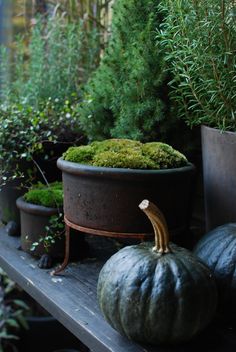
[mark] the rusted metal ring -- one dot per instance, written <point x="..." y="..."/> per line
<point x="91" y="231"/>
<point x="70" y="225"/>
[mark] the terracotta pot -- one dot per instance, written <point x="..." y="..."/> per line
<point x="219" y="174"/>
<point x="34" y="219"/>
<point x="107" y="199"/>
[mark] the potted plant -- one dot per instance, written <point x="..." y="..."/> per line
<point x="30" y="148"/>
<point x="42" y="225"/>
<point x="104" y="181"/>
<point x="38" y="115"/>
<point x="200" y="39"/>
<point x="18" y="139"/>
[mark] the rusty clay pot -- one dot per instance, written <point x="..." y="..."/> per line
<point x="34" y="219"/>
<point x="219" y="175"/>
<point x="107" y="199"/>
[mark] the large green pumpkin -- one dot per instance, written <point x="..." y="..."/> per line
<point x="160" y="294"/>
<point x="217" y="249"/>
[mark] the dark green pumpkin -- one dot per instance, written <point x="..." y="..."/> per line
<point x="156" y="295"/>
<point x="217" y="250"/>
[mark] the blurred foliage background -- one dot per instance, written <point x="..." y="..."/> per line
<point x="96" y="13"/>
<point x="33" y="30"/>
<point x="50" y="50"/>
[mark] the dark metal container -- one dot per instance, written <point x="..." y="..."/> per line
<point x="107" y="199"/>
<point x="219" y="174"/>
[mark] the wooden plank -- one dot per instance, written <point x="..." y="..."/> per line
<point x="71" y="298"/>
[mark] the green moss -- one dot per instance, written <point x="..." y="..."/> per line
<point x="53" y="185"/>
<point x="87" y="154"/>
<point x="51" y="196"/>
<point x="115" y="145"/>
<point x="125" y="153"/>
<point x="84" y="155"/>
<point x="131" y="159"/>
<point x="163" y="155"/>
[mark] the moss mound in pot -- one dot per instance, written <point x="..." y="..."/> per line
<point x="104" y="181"/>
<point x="41" y="222"/>
<point x="45" y="195"/>
<point x="125" y="153"/>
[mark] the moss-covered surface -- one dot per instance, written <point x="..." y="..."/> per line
<point x="48" y="196"/>
<point x="125" y="153"/>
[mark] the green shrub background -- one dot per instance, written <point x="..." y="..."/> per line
<point x="127" y="97"/>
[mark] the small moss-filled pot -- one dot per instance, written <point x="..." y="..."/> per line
<point x="217" y="249"/>
<point x="41" y="227"/>
<point x="103" y="183"/>
<point x="157" y="295"/>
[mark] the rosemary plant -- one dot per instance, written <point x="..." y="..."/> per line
<point x="200" y="37"/>
<point x="59" y="57"/>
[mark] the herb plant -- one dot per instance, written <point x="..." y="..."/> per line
<point x="59" y="57"/>
<point x="200" y="37"/>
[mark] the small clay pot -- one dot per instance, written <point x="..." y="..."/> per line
<point x="34" y="219"/>
<point x="9" y="214"/>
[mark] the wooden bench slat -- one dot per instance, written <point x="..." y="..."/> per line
<point x="71" y="298"/>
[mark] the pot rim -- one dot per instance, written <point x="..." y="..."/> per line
<point x="218" y="130"/>
<point x="35" y="209"/>
<point x="77" y="168"/>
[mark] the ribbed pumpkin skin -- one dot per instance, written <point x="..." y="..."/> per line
<point x="154" y="298"/>
<point x="217" y="250"/>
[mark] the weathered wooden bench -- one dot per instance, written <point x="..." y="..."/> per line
<point x="71" y="299"/>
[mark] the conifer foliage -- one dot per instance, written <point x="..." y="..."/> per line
<point x="127" y="95"/>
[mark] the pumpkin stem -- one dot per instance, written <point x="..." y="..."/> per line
<point x="159" y="225"/>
